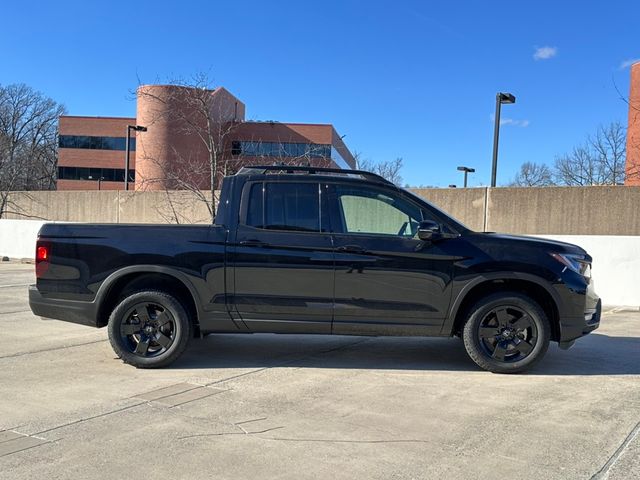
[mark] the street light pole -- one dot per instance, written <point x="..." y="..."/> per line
<point x="466" y="171"/>
<point x="500" y="99"/>
<point x="137" y="128"/>
<point x="126" y="156"/>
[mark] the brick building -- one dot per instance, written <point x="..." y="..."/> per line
<point x="92" y="149"/>
<point x="633" y="130"/>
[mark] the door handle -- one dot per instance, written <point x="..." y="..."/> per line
<point x="253" y="243"/>
<point x="351" y="249"/>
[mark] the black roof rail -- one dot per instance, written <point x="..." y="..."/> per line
<point x="262" y="169"/>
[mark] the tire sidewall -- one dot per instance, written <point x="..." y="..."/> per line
<point x="480" y="310"/>
<point x="166" y="301"/>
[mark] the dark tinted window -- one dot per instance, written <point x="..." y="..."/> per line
<point x="280" y="149"/>
<point x="285" y="206"/>
<point x="255" y="212"/>
<point x="95" y="143"/>
<point x="95" y="174"/>
<point x="83" y="173"/>
<point x="109" y="174"/>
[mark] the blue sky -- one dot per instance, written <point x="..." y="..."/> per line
<point x="400" y="79"/>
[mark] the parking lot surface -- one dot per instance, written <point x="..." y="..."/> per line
<point x="268" y="406"/>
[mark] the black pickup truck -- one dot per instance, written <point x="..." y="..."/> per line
<point x="323" y="251"/>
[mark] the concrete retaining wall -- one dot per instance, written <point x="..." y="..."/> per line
<point x="601" y="210"/>
<point x="605" y="210"/>
<point x="616" y="266"/>
<point x="598" y="210"/>
<point x="112" y="206"/>
<point x="18" y="238"/>
<point x="465" y="204"/>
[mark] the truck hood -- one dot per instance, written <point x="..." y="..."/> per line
<point x="555" y="245"/>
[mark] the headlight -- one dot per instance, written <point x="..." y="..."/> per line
<point x="576" y="263"/>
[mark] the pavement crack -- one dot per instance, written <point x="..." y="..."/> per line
<point x="53" y="349"/>
<point x="331" y="440"/>
<point x="141" y="396"/>
<point x="249" y="421"/>
<point x="233" y="377"/>
<point x="86" y="419"/>
<point x="303" y="440"/>
<point x="221" y="434"/>
<point x="118" y="410"/>
<point x="603" y="473"/>
<point x="26" y="448"/>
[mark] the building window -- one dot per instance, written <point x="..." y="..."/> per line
<point x="339" y="159"/>
<point x="95" y="143"/>
<point x="94" y="174"/>
<point x="280" y="149"/>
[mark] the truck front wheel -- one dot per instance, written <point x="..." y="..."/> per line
<point x="506" y="333"/>
<point x="149" y="329"/>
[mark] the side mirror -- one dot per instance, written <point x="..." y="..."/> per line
<point x="429" y="230"/>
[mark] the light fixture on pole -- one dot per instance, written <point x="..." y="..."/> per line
<point x="500" y="99"/>
<point x="137" y="128"/>
<point x="466" y="171"/>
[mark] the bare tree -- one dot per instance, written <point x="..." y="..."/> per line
<point x="609" y="144"/>
<point x="389" y="169"/>
<point x="202" y="119"/>
<point x="599" y="161"/>
<point x="28" y="143"/>
<point x="210" y="125"/>
<point x="533" y="174"/>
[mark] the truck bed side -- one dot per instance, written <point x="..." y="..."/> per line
<point x="88" y="266"/>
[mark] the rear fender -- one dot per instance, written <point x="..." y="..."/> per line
<point x="112" y="279"/>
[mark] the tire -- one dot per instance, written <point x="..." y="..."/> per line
<point x="149" y="329"/>
<point x="506" y="332"/>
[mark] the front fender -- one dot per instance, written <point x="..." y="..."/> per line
<point x="458" y="298"/>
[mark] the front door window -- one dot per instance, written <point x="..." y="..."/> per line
<point x="371" y="212"/>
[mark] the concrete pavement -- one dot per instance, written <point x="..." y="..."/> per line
<point x="310" y="406"/>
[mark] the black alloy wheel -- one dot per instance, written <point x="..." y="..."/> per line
<point x="149" y="329"/>
<point x="506" y="332"/>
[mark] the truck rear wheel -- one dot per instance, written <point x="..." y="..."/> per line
<point x="506" y="333"/>
<point x="149" y="329"/>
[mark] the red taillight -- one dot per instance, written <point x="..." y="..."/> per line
<point x="42" y="253"/>
<point x="43" y="257"/>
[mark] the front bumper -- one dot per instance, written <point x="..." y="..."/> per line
<point x="84" y="313"/>
<point x="572" y="328"/>
<point x="581" y="308"/>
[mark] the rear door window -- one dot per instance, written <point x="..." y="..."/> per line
<point x="285" y="206"/>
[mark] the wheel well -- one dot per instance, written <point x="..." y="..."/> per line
<point x="530" y="289"/>
<point x="135" y="282"/>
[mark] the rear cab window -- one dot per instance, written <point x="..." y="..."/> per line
<point x="286" y="206"/>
